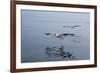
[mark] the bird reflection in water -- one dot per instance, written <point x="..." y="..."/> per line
<point x="59" y="52"/>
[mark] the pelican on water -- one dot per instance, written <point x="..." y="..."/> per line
<point x="61" y="36"/>
<point x="72" y="27"/>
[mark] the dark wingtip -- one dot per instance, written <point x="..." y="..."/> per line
<point x="47" y="33"/>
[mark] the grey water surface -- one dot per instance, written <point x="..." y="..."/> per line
<point x="38" y="46"/>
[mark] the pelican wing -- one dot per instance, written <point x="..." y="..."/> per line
<point x="66" y="34"/>
<point x="76" y="26"/>
<point x="47" y="33"/>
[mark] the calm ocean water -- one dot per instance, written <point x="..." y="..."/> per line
<point x="36" y="46"/>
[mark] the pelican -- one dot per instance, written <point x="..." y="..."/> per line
<point x="72" y="26"/>
<point x="61" y="36"/>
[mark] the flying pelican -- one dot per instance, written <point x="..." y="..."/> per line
<point x="72" y="26"/>
<point x="61" y="36"/>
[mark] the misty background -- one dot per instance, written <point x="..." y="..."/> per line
<point x="34" y="25"/>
